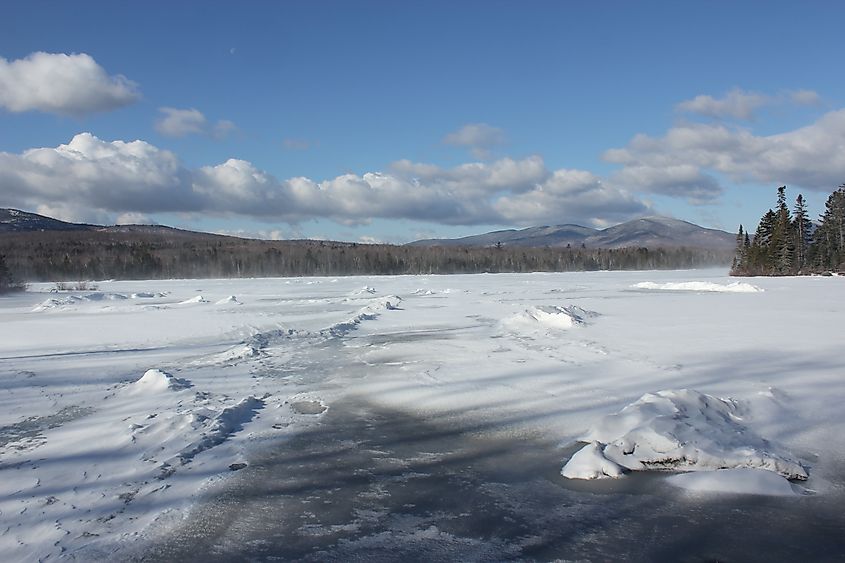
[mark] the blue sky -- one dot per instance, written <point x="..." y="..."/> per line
<point x="394" y="121"/>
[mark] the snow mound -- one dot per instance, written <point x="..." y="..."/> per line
<point x="680" y="430"/>
<point x="64" y="302"/>
<point x="366" y="290"/>
<point x="235" y="354"/>
<point x="219" y="427"/>
<point x="231" y="300"/>
<point x="55" y="303"/>
<point x="156" y="381"/>
<point x="735" y="481"/>
<point x="368" y="313"/>
<point x="423" y="292"/>
<point x="196" y="299"/>
<point x="550" y="317"/>
<point x="734" y="287"/>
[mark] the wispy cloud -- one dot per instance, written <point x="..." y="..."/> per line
<point x="297" y="144"/>
<point x="175" y="122"/>
<point x="479" y="138"/>
<point x="63" y="84"/>
<point x="737" y="103"/>
<point x="742" y="104"/>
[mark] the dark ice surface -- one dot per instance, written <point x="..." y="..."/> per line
<point x="370" y="484"/>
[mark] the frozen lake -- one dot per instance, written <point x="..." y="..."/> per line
<point x="412" y="417"/>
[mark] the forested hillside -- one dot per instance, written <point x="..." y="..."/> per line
<point x="110" y="254"/>
<point x="788" y="243"/>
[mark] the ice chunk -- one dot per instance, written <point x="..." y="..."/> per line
<point x="231" y="300"/>
<point x="589" y="463"/>
<point x="688" y="430"/>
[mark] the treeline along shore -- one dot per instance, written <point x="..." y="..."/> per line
<point x="169" y="253"/>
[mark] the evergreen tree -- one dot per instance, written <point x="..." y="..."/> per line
<point x="739" y="262"/>
<point x="7" y="281"/>
<point x="783" y="240"/>
<point x="829" y="247"/>
<point x="803" y="229"/>
<point x="761" y="257"/>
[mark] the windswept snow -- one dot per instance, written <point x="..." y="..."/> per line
<point x="54" y="303"/>
<point x="682" y="430"/>
<point x="119" y="413"/>
<point x="733" y="287"/>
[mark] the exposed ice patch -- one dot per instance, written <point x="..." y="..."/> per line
<point x="306" y="406"/>
<point x="734" y="287"/>
<point x="679" y="430"/>
<point x="736" y="481"/>
<point x="157" y="381"/>
<point x="100" y="296"/>
<point x="147" y="295"/>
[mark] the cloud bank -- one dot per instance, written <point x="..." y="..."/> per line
<point x="686" y="161"/>
<point x="88" y="178"/>
<point x="72" y="85"/>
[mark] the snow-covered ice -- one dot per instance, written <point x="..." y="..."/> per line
<point x="745" y="481"/>
<point x="120" y="408"/>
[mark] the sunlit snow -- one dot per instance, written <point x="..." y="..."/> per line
<point x="121" y="407"/>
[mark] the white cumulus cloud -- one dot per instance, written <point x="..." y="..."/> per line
<point x="63" y="84"/>
<point x="685" y="161"/>
<point x="126" y="179"/>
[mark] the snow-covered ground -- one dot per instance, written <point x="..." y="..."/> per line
<point x="119" y="407"/>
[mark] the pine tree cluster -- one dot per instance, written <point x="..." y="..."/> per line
<point x="788" y="243"/>
<point x="7" y="281"/>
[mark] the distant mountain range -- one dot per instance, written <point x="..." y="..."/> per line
<point x="649" y="232"/>
<point x="16" y="221"/>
